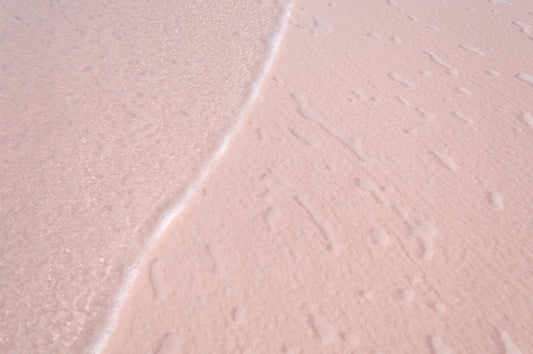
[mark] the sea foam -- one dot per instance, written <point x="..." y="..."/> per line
<point x="170" y="214"/>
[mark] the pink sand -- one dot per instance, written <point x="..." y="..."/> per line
<point x="110" y="112"/>
<point x="376" y="198"/>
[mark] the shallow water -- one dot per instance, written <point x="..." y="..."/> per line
<point x="110" y="113"/>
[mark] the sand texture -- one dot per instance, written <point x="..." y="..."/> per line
<point x="376" y="197"/>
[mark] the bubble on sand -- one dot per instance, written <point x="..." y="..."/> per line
<point x="408" y="295"/>
<point x="439" y="306"/>
<point x="324" y="329"/>
<point x="497" y="199"/>
<point x="439" y="346"/>
<point x="353" y="339"/>
<point x="381" y="237"/>
<point x="169" y="344"/>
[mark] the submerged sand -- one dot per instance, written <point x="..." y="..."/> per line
<point x="377" y="197"/>
<point x="109" y="113"/>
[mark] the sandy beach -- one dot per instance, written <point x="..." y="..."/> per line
<point x="267" y="177"/>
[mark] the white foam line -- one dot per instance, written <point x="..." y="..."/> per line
<point x="169" y="215"/>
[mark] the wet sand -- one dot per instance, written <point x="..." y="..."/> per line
<point x="378" y="198"/>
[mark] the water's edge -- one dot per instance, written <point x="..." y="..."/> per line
<point x="170" y="214"/>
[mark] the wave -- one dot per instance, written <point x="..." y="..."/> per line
<point x="174" y="211"/>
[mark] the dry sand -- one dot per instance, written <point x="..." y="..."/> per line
<point x="377" y="197"/>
